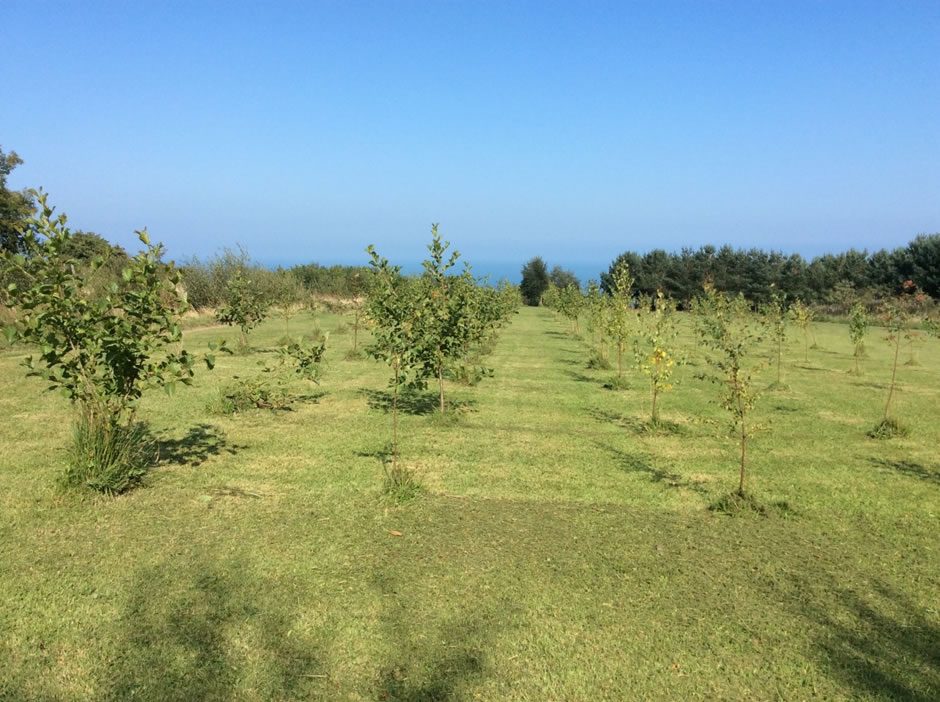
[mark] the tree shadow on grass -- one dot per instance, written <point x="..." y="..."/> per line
<point x="415" y="403"/>
<point x="580" y="377"/>
<point x="638" y="426"/>
<point x="643" y="463"/>
<point x="436" y="665"/>
<point x="876" y="641"/>
<point x="196" y="447"/>
<point x="930" y="474"/>
<point x="195" y="630"/>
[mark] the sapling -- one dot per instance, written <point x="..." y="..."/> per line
<point x="100" y="351"/>
<point x="245" y="306"/>
<point x="894" y="318"/>
<point x="288" y="294"/>
<point x="597" y="312"/>
<point x="726" y="326"/>
<point x="859" y="321"/>
<point x="776" y="319"/>
<point x="397" y="313"/>
<point x="620" y="312"/>
<point x="655" y="346"/>
<point x="803" y="315"/>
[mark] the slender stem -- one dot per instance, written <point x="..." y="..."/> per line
<point x="619" y="358"/>
<point x="894" y="371"/>
<point x="395" y="418"/>
<point x="779" y="355"/>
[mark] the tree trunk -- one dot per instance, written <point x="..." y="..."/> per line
<point x="743" y="447"/>
<point x="619" y="358"/>
<point x="395" y="418"/>
<point x="779" y="355"/>
<point x="440" y="378"/>
<point x="894" y="373"/>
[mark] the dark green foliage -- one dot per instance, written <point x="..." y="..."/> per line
<point x="535" y="280"/>
<point x="754" y="273"/>
<point x="15" y="207"/>
<point x="563" y="278"/>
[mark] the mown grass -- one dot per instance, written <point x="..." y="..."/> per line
<point x="565" y="549"/>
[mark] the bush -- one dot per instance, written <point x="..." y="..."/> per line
<point x="107" y="457"/>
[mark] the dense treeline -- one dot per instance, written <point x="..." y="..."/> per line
<point x="756" y="273"/>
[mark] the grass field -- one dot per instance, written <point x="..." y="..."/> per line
<point x="562" y="552"/>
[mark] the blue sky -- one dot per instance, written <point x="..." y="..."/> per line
<point x="305" y="131"/>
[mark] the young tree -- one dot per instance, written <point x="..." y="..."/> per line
<point x="534" y="281"/>
<point x="288" y="294"/>
<point x="802" y="314"/>
<point x="245" y="306"/>
<point x="447" y="322"/>
<point x="396" y="311"/>
<point x="102" y="352"/>
<point x="726" y="326"/>
<point x="655" y="346"/>
<point x="356" y="301"/>
<point x="894" y="317"/>
<point x="570" y="303"/>
<point x="620" y="312"/>
<point x="597" y="313"/>
<point x="15" y="207"/>
<point x="859" y="322"/>
<point x="776" y="318"/>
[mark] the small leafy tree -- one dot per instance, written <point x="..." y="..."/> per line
<point x="396" y="311"/>
<point x="356" y="302"/>
<point x="894" y="318"/>
<point x="245" y="305"/>
<point x="288" y="294"/>
<point x="655" y="346"/>
<point x="570" y="303"/>
<point x="620" y="312"/>
<point x="448" y="321"/>
<point x="597" y="313"/>
<point x="802" y="315"/>
<point x="776" y="319"/>
<point x="859" y="321"/>
<point x="102" y="352"/>
<point x="726" y="326"/>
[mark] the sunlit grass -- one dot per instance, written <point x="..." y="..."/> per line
<point x="564" y="549"/>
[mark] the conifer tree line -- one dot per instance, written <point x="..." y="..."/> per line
<point x="757" y="274"/>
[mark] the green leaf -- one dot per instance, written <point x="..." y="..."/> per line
<point x="170" y="388"/>
<point x="126" y="274"/>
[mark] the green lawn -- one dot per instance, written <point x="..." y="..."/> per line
<point x="563" y="551"/>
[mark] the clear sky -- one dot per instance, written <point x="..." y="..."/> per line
<point x="305" y="131"/>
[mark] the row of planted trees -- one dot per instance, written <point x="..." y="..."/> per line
<point x="431" y="327"/>
<point x="734" y="333"/>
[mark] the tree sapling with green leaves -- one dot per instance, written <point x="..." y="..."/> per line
<point x="726" y="325"/>
<point x="655" y="347"/>
<point x="101" y="351"/>
<point x="245" y="305"/>
<point x="620" y="313"/>
<point x="802" y="314"/>
<point x="859" y="321"/>
<point x="776" y="318"/>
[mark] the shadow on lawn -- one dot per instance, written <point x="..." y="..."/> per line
<point x="910" y="469"/>
<point x="877" y="641"/>
<point x="428" y="666"/>
<point x="415" y="403"/>
<point x="643" y="463"/>
<point x="197" y="446"/>
<point x="195" y="630"/>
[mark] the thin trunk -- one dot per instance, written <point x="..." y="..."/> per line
<point x="743" y="436"/>
<point x="440" y="378"/>
<point x="619" y="358"/>
<point x="356" y="332"/>
<point x="654" y="393"/>
<point x="287" y="326"/>
<point x="806" y="346"/>
<point x="857" y="369"/>
<point x="894" y="373"/>
<point x="395" y="418"/>
<point x="779" y="354"/>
